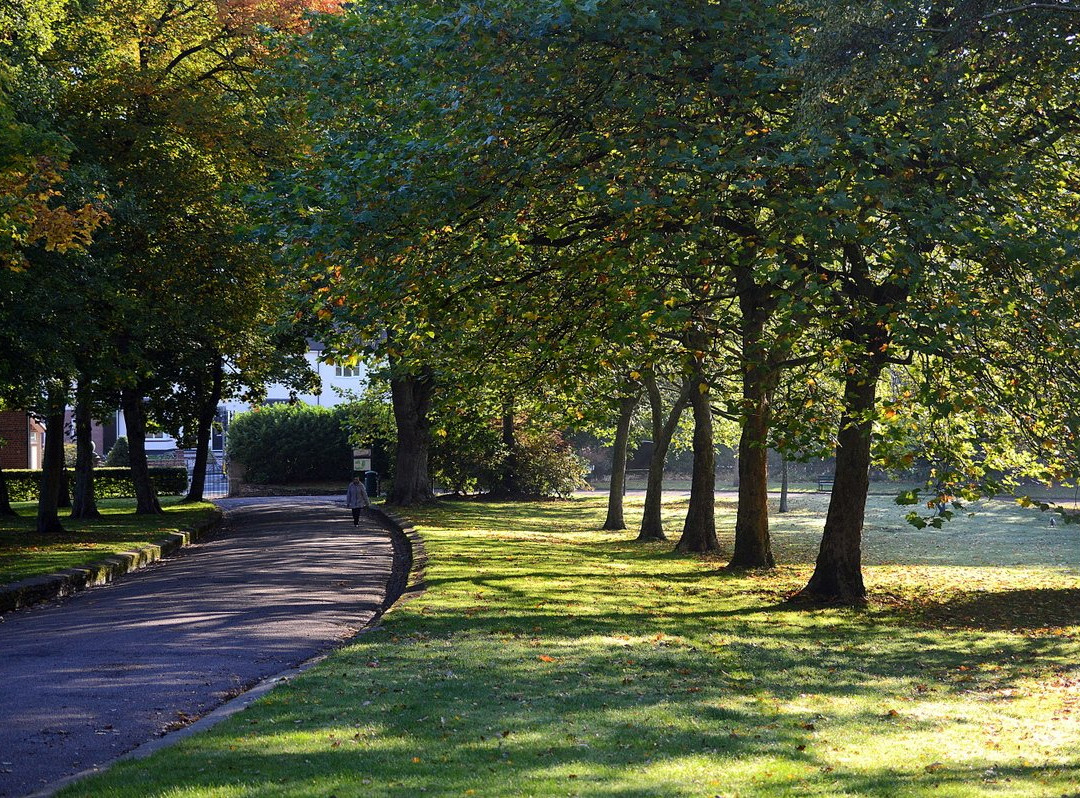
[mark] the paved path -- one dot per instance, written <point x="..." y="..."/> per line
<point x="91" y="677"/>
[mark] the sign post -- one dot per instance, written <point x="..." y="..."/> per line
<point x="361" y="459"/>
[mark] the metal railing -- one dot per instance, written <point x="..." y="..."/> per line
<point x="215" y="485"/>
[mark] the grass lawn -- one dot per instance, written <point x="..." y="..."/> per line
<point x="24" y="553"/>
<point x="549" y="658"/>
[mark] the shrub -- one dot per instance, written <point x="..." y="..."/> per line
<point x="281" y="444"/>
<point x="109" y="483"/>
<point x="119" y="455"/>
<point x="468" y="455"/>
<point x="547" y="465"/>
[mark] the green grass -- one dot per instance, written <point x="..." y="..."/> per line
<point x="637" y="481"/>
<point x="24" y="553"/>
<point x="549" y="658"/>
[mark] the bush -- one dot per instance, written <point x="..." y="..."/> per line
<point x="24" y="484"/>
<point x="468" y="455"/>
<point x="119" y="455"/>
<point x="282" y="444"/>
<point x="547" y="465"/>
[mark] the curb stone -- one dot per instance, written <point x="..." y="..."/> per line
<point x="38" y="589"/>
<point x="410" y="581"/>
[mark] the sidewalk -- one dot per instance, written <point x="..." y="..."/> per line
<point x="98" y="674"/>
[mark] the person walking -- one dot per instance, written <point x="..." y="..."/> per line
<point x="356" y="499"/>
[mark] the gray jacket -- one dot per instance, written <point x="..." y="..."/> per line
<point x="356" y="496"/>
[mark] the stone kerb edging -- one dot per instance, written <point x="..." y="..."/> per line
<point x="408" y="582"/>
<point x="37" y="589"/>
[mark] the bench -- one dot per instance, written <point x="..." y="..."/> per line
<point x="824" y="484"/>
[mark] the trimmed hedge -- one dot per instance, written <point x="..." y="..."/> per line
<point x="281" y="444"/>
<point x="109" y="483"/>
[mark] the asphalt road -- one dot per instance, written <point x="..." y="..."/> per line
<point x="92" y="677"/>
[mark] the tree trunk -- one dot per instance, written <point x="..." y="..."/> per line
<point x="411" y="396"/>
<point x="84" y="504"/>
<point x="837" y="577"/>
<point x="509" y="486"/>
<point x="146" y="500"/>
<point x="652" y="525"/>
<point x="783" y="483"/>
<point x="752" y="545"/>
<point x="699" y="529"/>
<point x="615" y="519"/>
<point x="202" y="435"/>
<point x="5" y="498"/>
<point x="48" y="520"/>
<point x="63" y="499"/>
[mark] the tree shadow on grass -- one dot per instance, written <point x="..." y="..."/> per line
<point x="436" y="719"/>
<point x="1027" y="609"/>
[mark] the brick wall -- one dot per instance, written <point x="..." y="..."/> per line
<point x="15" y="453"/>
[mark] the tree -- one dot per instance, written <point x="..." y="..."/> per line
<point x="663" y="430"/>
<point x="412" y="397"/>
<point x="84" y="502"/>
<point x="508" y="193"/>
<point x="702" y="173"/>
<point x="43" y="214"/>
<point x="157" y="101"/>
<point x="48" y="521"/>
<point x="952" y="197"/>
<point x="627" y="404"/>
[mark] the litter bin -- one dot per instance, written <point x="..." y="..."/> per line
<point x="371" y="483"/>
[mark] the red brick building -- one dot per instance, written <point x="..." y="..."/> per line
<point x="23" y="439"/>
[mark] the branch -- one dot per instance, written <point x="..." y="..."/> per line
<point x="1032" y="7"/>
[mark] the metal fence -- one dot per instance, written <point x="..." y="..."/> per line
<point x="215" y="486"/>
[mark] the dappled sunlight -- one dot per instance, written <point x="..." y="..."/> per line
<point x="550" y="658"/>
<point x="988" y="533"/>
<point x="25" y="553"/>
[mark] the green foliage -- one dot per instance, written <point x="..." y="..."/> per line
<point x="119" y="455"/>
<point x="109" y="482"/>
<point x="547" y="465"/>
<point x="285" y="443"/>
<point x="467" y="454"/>
<point x="369" y="422"/>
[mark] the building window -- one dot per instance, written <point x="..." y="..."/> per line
<point x="157" y="436"/>
<point x="347" y="371"/>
